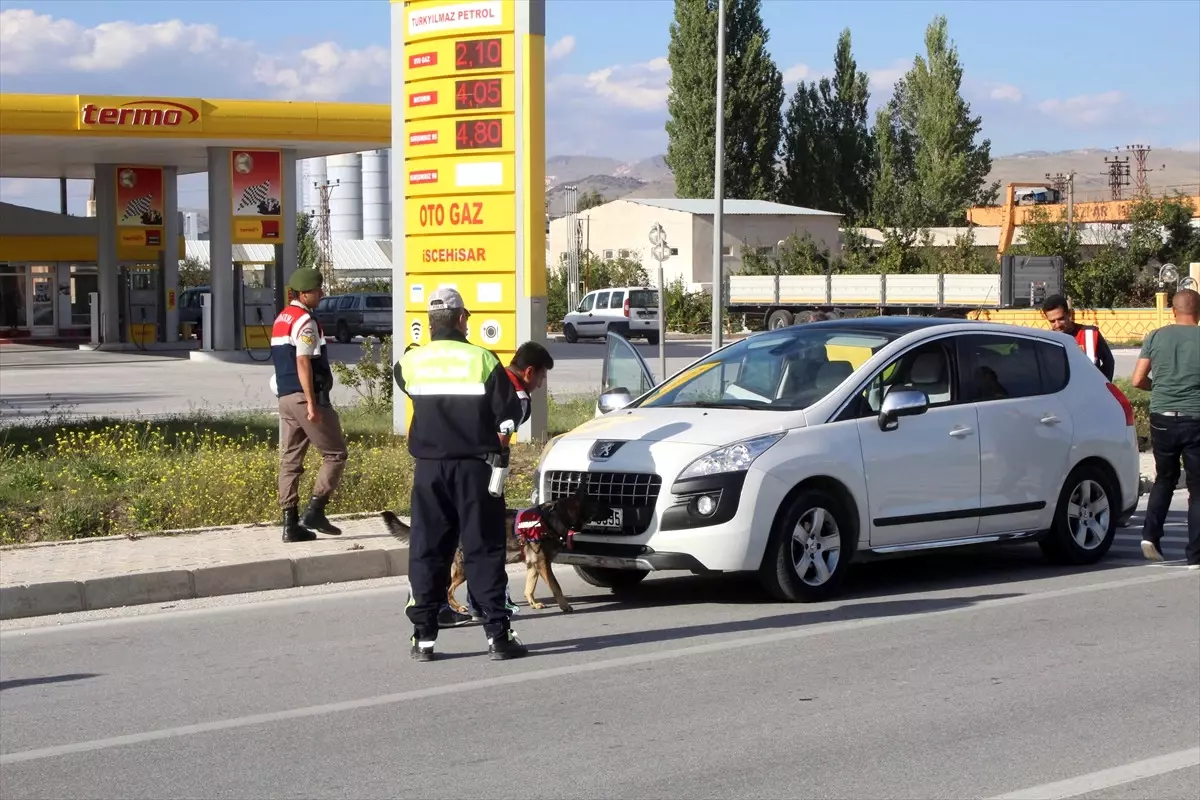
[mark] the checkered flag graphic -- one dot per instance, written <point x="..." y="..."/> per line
<point x="254" y="195"/>
<point x="137" y="207"/>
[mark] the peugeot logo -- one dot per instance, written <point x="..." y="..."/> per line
<point x="604" y="450"/>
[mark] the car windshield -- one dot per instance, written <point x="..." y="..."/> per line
<point x="783" y="370"/>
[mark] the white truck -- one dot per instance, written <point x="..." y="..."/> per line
<point x="1023" y="282"/>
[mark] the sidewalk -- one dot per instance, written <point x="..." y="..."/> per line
<point x="60" y="577"/>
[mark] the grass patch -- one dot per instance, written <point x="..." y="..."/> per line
<point x="66" y="479"/>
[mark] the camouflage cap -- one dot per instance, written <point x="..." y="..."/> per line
<point x="305" y="280"/>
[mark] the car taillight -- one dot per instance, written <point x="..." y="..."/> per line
<point x="627" y="307"/>
<point x="1126" y="406"/>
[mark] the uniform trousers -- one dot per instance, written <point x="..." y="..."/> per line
<point x="451" y="506"/>
<point x="296" y="435"/>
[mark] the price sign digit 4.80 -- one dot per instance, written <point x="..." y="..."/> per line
<point x="476" y="134"/>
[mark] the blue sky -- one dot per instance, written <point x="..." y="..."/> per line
<point x="1044" y="75"/>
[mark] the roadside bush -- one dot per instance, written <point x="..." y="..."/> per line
<point x="1140" y="400"/>
<point x="79" y="479"/>
<point x="371" y="377"/>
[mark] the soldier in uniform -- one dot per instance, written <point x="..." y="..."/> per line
<point x="303" y="380"/>
<point x="463" y="403"/>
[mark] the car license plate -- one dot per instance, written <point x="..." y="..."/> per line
<point x="614" y="521"/>
<point x="646" y="314"/>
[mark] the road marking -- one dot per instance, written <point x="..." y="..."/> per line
<point x="535" y="674"/>
<point x="1108" y="778"/>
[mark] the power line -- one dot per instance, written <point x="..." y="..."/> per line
<point x="1118" y="175"/>
<point x="324" y="236"/>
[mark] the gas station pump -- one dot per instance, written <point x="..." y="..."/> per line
<point x="140" y="308"/>
<point x="254" y="307"/>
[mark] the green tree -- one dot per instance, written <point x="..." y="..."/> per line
<point x="590" y="200"/>
<point x="307" y="250"/>
<point x="193" y="272"/>
<point x="753" y="100"/>
<point x="826" y="140"/>
<point x="949" y="167"/>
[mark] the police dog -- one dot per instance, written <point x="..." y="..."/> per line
<point x="559" y="520"/>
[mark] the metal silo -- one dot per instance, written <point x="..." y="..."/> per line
<point x="345" y="199"/>
<point x="376" y="195"/>
<point x="312" y="170"/>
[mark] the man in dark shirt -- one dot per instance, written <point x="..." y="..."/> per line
<point x="1088" y="337"/>
<point x="1173" y="353"/>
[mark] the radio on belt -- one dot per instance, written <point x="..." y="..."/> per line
<point x="499" y="464"/>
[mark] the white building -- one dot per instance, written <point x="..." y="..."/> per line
<point x="622" y="227"/>
<point x="360" y="204"/>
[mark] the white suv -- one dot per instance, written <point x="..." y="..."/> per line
<point x="793" y="452"/>
<point x="631" y="311"/>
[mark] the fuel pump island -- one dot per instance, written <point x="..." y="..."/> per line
<point x="112" y="279"/>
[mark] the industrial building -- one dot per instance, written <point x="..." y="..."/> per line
<point x="620" y="229"/>
<point x="359" y="190"/>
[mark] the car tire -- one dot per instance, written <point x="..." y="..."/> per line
<point x="780" y="318"/>
<point x="1085" y="519"/>
<point x="801" y="567"/>
<point x="607" y="578"/>
<point x="651" y="338"/>
<point x="343" y="333"/>
<point x="569" y="334"/>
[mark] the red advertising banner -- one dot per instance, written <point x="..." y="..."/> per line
<point x="256" y="181"/>
<point x="140" y="204"/>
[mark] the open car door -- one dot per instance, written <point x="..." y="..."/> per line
<point x="625" y="375"/>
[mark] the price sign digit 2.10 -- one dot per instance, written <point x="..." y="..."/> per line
<point x="468" y="97"/>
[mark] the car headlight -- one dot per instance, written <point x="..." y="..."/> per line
<point x="736" y="457"/>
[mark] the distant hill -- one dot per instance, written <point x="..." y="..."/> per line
<point x="650" y="177"/>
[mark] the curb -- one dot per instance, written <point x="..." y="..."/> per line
<point x="165" y="586"/>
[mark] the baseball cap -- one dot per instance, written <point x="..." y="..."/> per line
<point x="446" y="298"/>
<point x="305" y="280"/>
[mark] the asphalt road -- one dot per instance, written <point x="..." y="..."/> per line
<point x="955" y="676"/>
<point x="59" y="381"/>
<point x="38" y="381"/>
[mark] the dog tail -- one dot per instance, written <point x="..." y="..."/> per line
<point x="395" y="526"/>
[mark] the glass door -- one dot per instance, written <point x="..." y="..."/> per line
<point x="42" y="313"/>
<point x="13" y="314"/>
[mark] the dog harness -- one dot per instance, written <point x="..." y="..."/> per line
<point x="528" y="528"/>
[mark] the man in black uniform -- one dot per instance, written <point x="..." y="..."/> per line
<point x="463" y="403"/>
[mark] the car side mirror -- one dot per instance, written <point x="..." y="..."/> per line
<point x="901" y="403"/>
<point x="615" y="399"/>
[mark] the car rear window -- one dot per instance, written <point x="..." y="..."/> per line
<point x="379" y="301"/>
<point x="643" y="298"/>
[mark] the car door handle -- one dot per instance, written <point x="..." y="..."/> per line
<point x="1050" y="419"/>
<point x="961" y="432"/>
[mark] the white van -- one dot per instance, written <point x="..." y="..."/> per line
<point x="631" y="311"/>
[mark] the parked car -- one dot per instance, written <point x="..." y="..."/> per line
<point x="631" y="311"/>
<point x="357" y="314"/>
<point x="794" y="452"/>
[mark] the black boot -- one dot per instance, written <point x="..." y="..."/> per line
<point x="315" y="519"/>
<point x="293" y="531"/>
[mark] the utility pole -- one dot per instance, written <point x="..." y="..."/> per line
<point x="571" y="199"/>
<point x="718" y="271"/>
<point x="1058" y="183"/>
<point x="1070" y="180"/>
<point x="324" y="235"/>
<point x="1118" y="174"/>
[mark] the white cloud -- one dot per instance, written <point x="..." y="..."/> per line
<point x="1006" y="91"/>
<point x="560" y="49"/>
<point x="884" y="79"/>
<point x="641" y="86"/>
<point x="114" y="57"/>
<point x="1085" y="109"/>
<point x="796" y="73"/>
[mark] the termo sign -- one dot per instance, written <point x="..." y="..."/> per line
<point x="139" y="114"/>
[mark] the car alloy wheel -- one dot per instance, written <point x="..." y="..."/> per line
<point x="1088" y="514"/>
<point x="816" y="547"/>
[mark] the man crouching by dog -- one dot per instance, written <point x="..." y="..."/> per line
<point x="463" y="402"/>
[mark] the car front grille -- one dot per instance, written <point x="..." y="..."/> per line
<point x="635" y="492"/>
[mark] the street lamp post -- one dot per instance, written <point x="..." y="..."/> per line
<point x="718" y="272"/>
